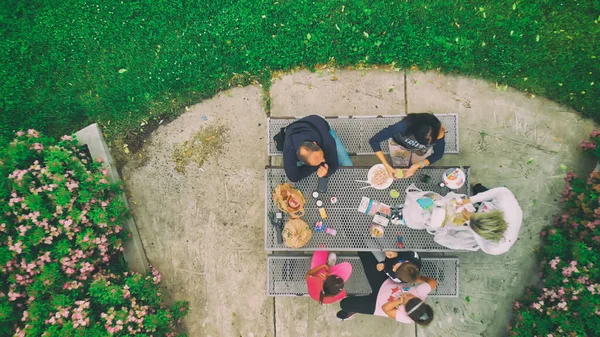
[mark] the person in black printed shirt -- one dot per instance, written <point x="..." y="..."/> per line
<point x="401" y="267"/>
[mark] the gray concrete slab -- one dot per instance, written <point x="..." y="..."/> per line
<point x="303" y="317"/>
<point x="331" y="92"/>
<point x="500" y="132"/>
<point x="204" y="228"/>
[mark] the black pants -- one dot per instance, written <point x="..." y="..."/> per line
<point x="366" y="304"/>
<point x="478" y="188"/>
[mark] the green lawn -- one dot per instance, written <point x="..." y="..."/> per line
<point x="125" y="63"/>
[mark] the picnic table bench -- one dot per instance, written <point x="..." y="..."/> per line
<point x="352" y="226"/>
<point x="285" y="275"/>
<point x="355" y="131"/>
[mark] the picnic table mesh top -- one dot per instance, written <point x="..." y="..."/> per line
<point x="355" y="132"/>
<point x="285" y="275"/>
<point x="352" y="226"/>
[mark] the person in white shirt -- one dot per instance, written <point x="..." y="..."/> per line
<point x="497" y="221"/>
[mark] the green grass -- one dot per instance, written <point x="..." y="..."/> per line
<point x="124" y="64"/>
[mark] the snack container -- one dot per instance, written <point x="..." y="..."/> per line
<point x="319" y="226"/>
<point x="376" y="230"/>
<point x="381" y="220"/>
<point x="368" y="206"/>
<point x="322" y="213"/>
<point x="384" y="209"/>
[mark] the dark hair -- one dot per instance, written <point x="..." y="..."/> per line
<point x="309" y="146"/>
<point x="423" y="315"/>
<point x="332" y="286"/>
<point x="407" y="272"/>
<point x="422" y="125"/>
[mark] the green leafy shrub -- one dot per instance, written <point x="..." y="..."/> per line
<point x="568" y="301"/>
<point x="61" y="239"/>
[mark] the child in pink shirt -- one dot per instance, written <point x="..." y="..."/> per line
<point x="325" y="283"/>
<point x="401" y="302"/>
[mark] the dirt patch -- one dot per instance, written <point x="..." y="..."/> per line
<point x="206" y="142"/>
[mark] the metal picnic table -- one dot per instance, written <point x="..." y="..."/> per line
<point x="352" y="226"/>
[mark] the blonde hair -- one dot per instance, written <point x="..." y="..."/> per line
<point x="489" y="225"/>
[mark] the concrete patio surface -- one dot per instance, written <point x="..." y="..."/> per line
<point x="203" y="228"/>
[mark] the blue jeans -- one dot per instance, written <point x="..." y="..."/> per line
<point x="342" y="153"/>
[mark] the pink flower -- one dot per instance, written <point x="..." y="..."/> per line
<point x="554" y="262"/>
<point x="99" y="160"/>
<point x="20" y="133"/>
<point x="65" y="137"/>
<point x="586" y="145"/>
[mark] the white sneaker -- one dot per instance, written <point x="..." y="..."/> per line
<point x="331" y="258"/>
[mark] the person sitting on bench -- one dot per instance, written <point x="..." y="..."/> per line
<point x="400" y="267"/>
<point x="498" y="219"/>
<point x="311" y="145"/>
<point x="325" y="280"/>
<point x="389" y="299"/>
<point x="417" y="140"/>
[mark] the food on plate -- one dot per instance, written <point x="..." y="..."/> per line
<point x="293" y="202"/>
<point x="380" y="177"/>
<point x="376" y="231"/>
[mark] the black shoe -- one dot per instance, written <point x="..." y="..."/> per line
<point x="344" y="315"/>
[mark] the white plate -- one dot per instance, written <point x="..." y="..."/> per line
<point x="454" y="178"/>
<point x="371" y="174"/>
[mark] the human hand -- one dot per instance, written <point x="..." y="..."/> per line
<point x="411" y="171"/>
<point x="463" y="202"/>
<point x="391" y="171"/>
<point x="466" y="214"/>
<point x="322" y="171"/>
<point x="379" y="266"/>
<point x="396" y="266"/>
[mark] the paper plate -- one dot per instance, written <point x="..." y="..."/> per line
<point x="454" y="178"/>
<point x="371" y="175"/>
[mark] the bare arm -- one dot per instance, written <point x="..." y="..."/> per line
<point x="429" y="280"/>
<point x="316" y="269"/>
<point x="391" y="308"/>
<point x="382" y="158"/>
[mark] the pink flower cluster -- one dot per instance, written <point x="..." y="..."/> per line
<point x="79" y="314"/>
<point x="567" y="271"/>
<point x="64" y="202"/>
<point x="553" y="300"/>
<point x="58" y="316"/>
<point x="586" y="145"/>
<point x="132" y="319"/>
<point x="155" y="275"/>
<point x="37" y="147"/>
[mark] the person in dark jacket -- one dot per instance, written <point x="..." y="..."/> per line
<point x="417" y="141"/>
<point x="311" y="145"/>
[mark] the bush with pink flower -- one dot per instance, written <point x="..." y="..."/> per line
<point x="62" y="270"/>
<point x="592" y="144"/>
<point x="567" y="301"/>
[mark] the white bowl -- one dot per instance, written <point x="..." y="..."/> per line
<point x="371" y="175"/>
